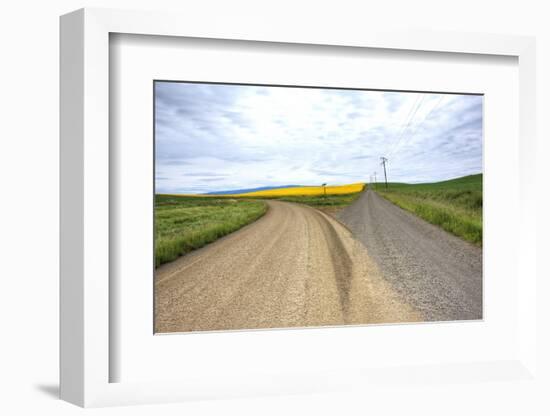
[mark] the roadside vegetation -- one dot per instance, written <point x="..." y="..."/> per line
<point x="329" y="204"/>
<point x="185" y="223"/>
<point x="455" y="205"/>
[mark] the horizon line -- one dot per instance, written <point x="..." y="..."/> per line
<point x="213" y="193"/>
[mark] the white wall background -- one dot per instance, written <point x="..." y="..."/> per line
<point x="29" y="204"/>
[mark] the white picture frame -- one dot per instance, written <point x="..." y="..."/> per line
<point x="85" y="164"/>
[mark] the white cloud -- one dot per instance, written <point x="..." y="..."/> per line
<point x="218" y="137"/>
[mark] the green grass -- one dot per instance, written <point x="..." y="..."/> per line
<point x="455" y="205"/>
<point x="183" y="224"/>
<point x="320" y="201"/>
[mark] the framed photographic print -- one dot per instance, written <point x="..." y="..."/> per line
<point x="269" y="212"/>
<point x="260" y="211"/>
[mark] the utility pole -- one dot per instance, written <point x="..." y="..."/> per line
<point x="375" y="183"/>
<point x="384" y="161"/>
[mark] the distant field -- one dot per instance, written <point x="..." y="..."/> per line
<point x="329" y="204"/>
<point x="455" y="205"/>
<point x="306" y="191"/>
<point x="336" y="198"/>
<point x="185" y="223"/>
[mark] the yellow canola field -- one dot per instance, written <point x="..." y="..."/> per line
<point x="306" y="190"/>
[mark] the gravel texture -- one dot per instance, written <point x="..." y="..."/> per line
<point x="435" y="272"/>
<point x="294" y="267"/>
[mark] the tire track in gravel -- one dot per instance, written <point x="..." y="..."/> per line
<point x="294" y="267"/>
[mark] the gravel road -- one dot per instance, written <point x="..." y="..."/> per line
<point x="438" y="274"/>
<point x="294" y="267"/>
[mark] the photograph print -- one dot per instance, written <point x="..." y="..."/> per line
<point x="295" y="207"/>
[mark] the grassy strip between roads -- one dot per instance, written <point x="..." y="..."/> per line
<point x="330" y="203"/>
<point x="455" y="205"/>
<point x="183" y="224"/>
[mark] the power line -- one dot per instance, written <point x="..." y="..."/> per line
<point x="412" y="114"/>
<point x="397" y="144"/>
<point x="420" y="123"/>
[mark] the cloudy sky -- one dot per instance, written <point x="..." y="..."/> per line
<point x="222" y="137"/>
